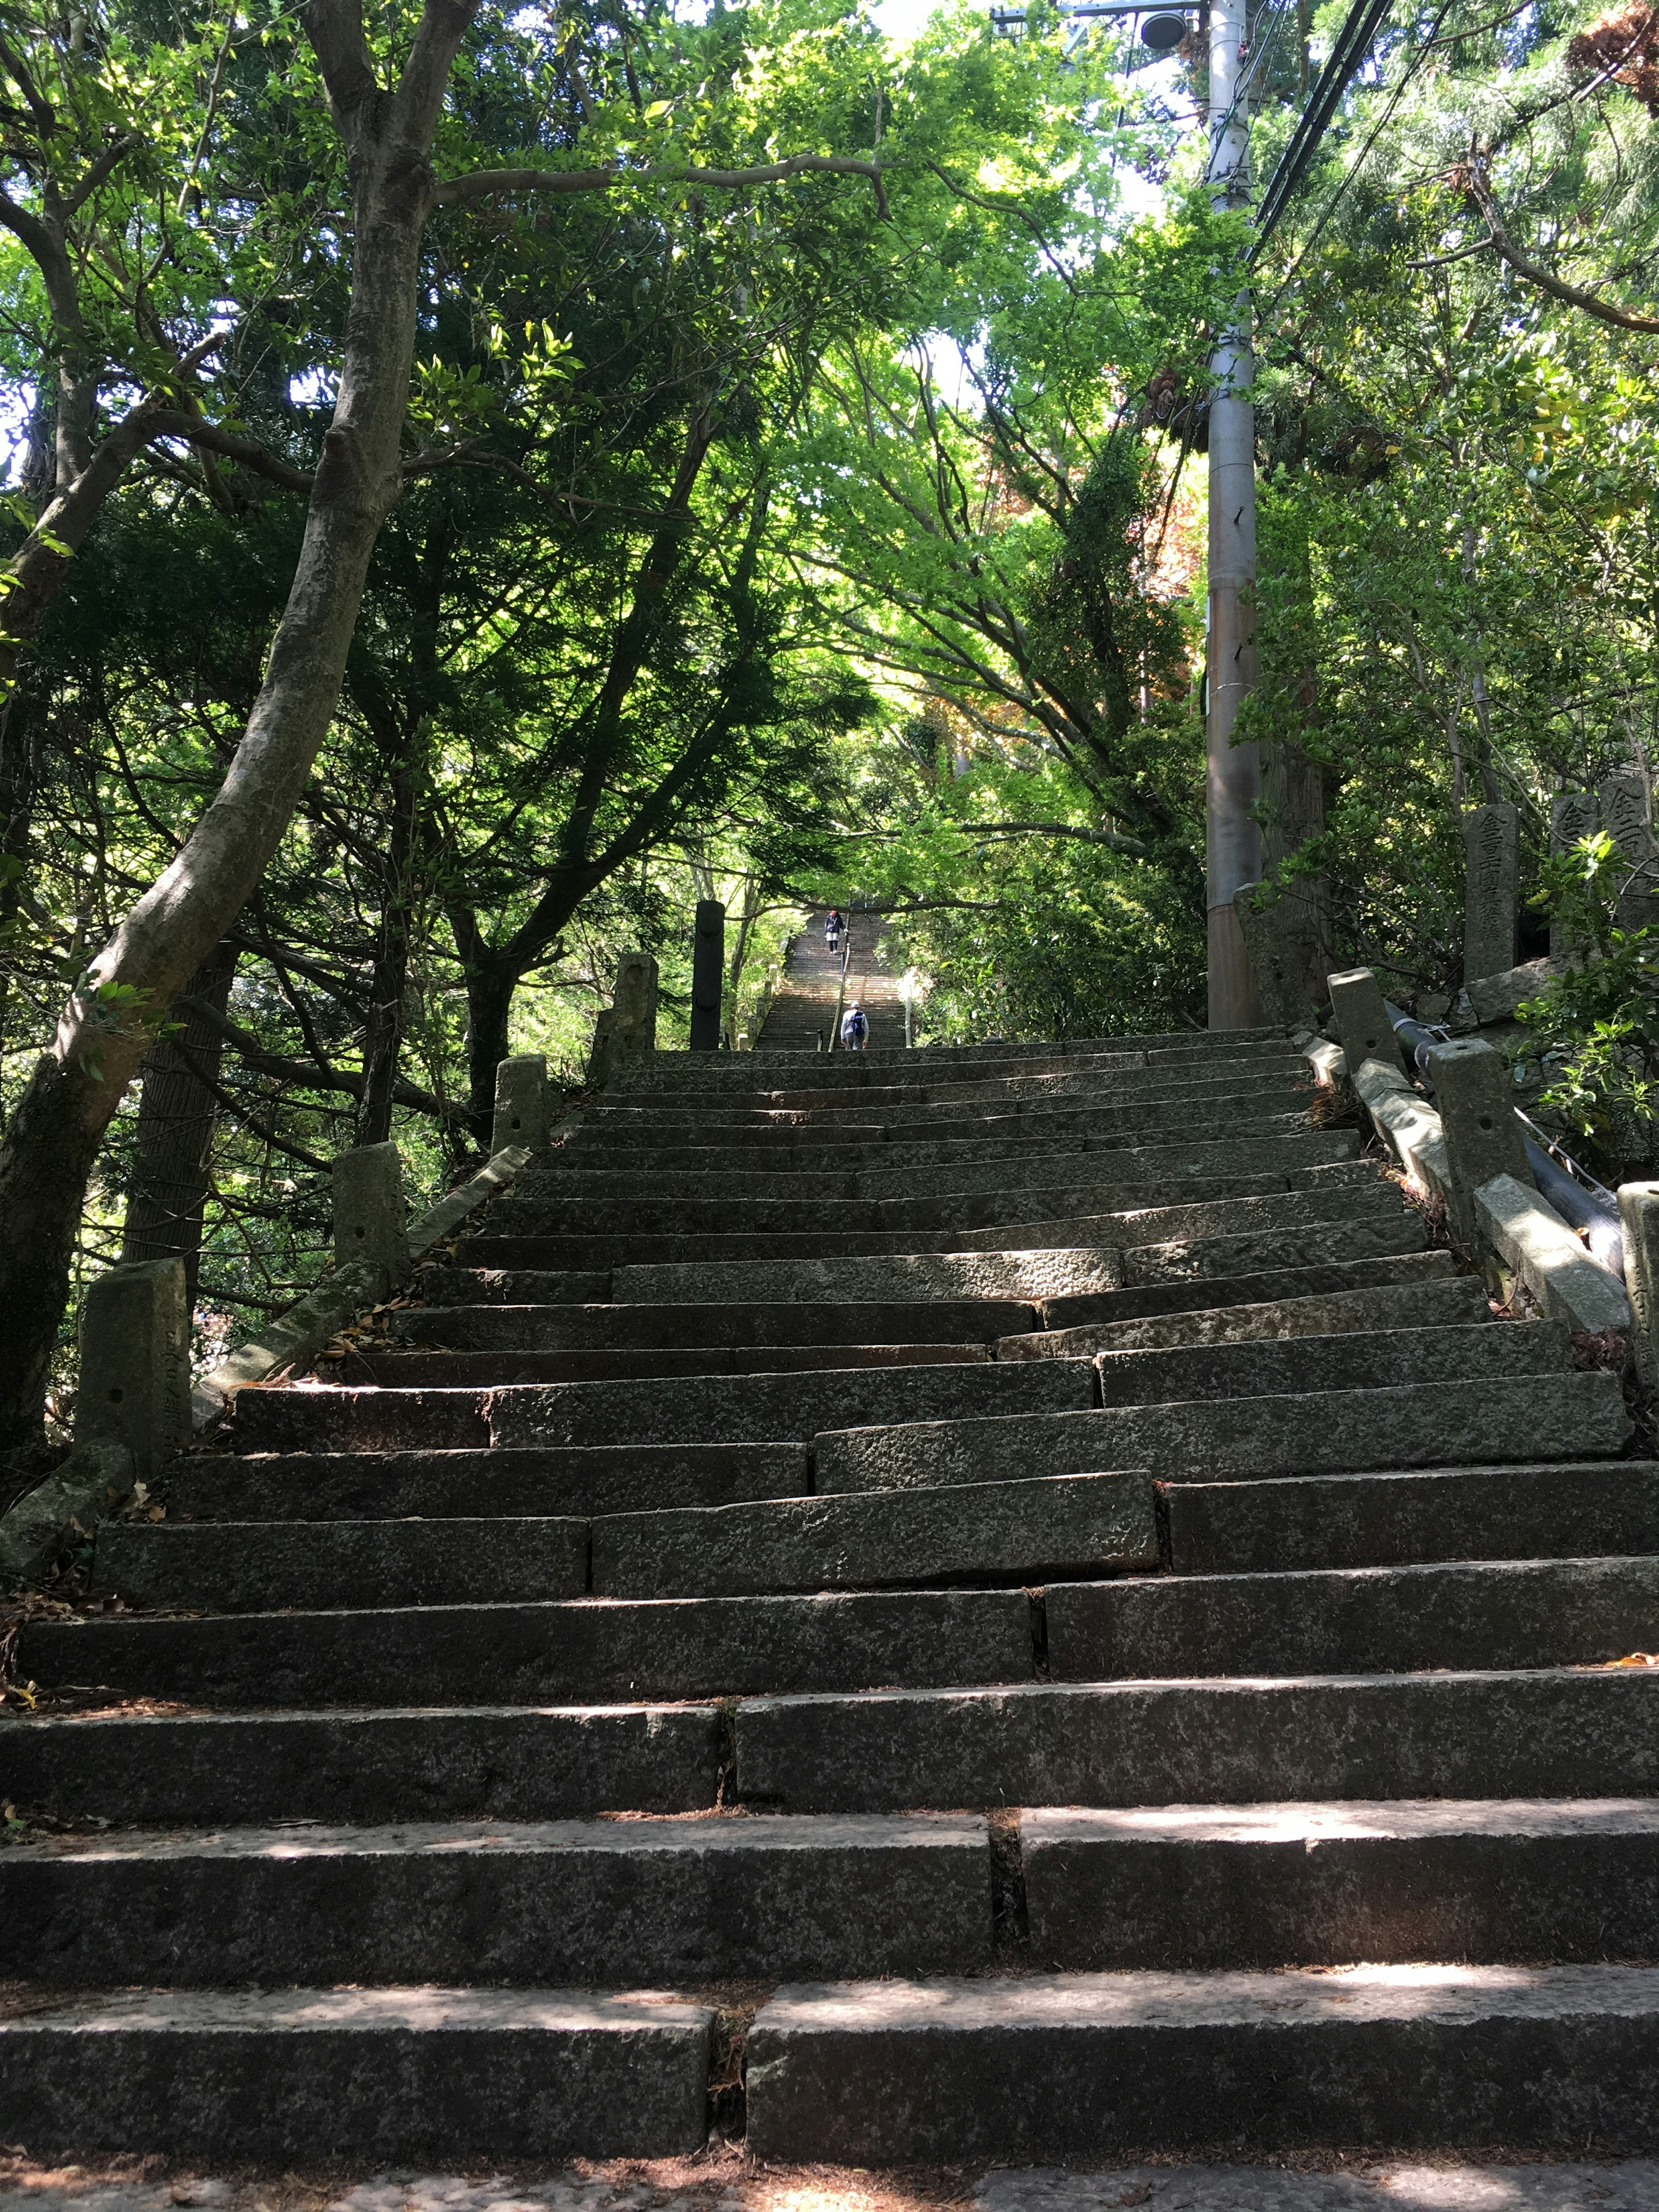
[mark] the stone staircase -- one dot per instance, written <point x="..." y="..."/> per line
<point x="988" y="1605"/>
<point x="805" y="1009"/>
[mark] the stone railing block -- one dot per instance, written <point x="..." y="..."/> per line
<point x="1475" y="1094"/>
<point x="1638" y="1217"/>
<point x="134" y="1388"/>
<point x="1530" y="1236"/>
<point x="521" y="1103"/>
<point x="1362" y="1019"/>
<point x="369" y="1211"/>
<point x="1407" y="1123"/>
<point x="41" y="1527"/>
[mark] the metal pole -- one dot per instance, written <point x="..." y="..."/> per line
<point x="1232" y="839"/>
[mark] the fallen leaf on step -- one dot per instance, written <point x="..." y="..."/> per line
<point x="1635" y="1659"/>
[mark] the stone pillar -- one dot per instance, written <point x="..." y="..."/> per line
<point x="1573" y="815"/>
<point x="1475" y="1094"/>
<point x="1492" y="844"/>
<point x="369" y="1211"/>
<point x="1638" y="1217"/>
<point x="633" y="1006"/>
<point x="1626" y="816"/>
<point x="520" y="1103"/>
<point x="135" y="1362"/>
<point x="598" y="1053"/>
<point x="1362" y="1021"/>
<point x="1278" y="962"/>
<point x="708" y="976"/>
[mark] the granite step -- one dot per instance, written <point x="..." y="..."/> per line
<point x="1356" y="1359"/>
<point x="533" y="1326"/>
<point x="1468" y="1614"/>
<point x="596" y="1650"/>
<point x="699" y="1409"/>
<point x="1520" y="1417"/>
<point x="447" y="1484"/>
<point x="533" y="1905"/>
<point x="1538" y="1732"/>
<point x="1197" y="1294"/>
<point x="990" y="1532"/>
<point x="1589" y="1509"/>
<point x="384" y="2074"/>
<point x="1493" y="1881"/>
<point x="697" y="1078"/>
<point x="425" y="1369"/>
<point x="1435" y="1301"/>
<point x="1072" y="2066"/>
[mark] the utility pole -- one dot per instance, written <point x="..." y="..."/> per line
<point x="1232" y="841"/>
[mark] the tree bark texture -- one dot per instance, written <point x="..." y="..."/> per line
<point x="177" y="1110"/>
<point x="119" y="1005"/>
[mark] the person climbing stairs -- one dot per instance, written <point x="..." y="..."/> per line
<point x="999" y="1604"/>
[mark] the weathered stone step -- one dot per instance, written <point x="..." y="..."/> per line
<point x="534" y="1327"/>
<point x="1196" y="1294"/>
<point x="1362" y="1620"/>
<point x="231" y="1567"/>
<point x="991" y="1532"/>
<point x="887" y="1168"/>
<point x="1540" y="1733"/>
<point x="1492" y="1880"/>
<point x="380" y="2074"/>
<point x="1093" y="1190"/>
<point x="1366" y="1359"/>
<point x="1043" y="1272"/>
<point x="445" y="1484"/>
<point x="403" y="1369"/>
<point x="1543" y="1417"/>
<point x="571" y="1901"/>
<point x="594" y="1650"/>
<point x="695" y="1076"/>
<point x="702" y="1409"/>
<point x="205" y="1768"/>
<point x="1432" y="1303"/>
<point x="1594" y="1509"/>
<point x="879" y="2073"/>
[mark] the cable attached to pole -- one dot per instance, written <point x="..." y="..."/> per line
<point x="1348" y="55"/>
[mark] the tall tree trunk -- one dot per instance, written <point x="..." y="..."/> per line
<point x="383" y="1032"/>
<point x="176" y="1114"/>
<point x="489" y="989"/>
<point x="115" y="1011"/>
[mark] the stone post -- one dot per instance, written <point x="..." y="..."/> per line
<point x="1638" y="1217"/>
<point x="1492" y="844"/>
<point x="1573" y="815"/>
<point x="634" y="1005"/>
<point x="520" y="1103"/>
<point x="369" y="1211"/>
<point x="1475" y="1095"/>
<point x="598" y="1053"/>
<point x="1362" y="1021"/>
<point x="1277" y="963"/>
<point x="1626" y="818"/>
<point x="135" y="1362"/>
<point x="708" y="976"/>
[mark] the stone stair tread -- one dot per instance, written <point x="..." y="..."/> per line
<point x="530" y="1327"/>
<point x="1016" y="1532"/>
<point x="1064" y="2066"/>
<point x="416" y="1368"/>
<point x="583" y="1901"/>
<point x="254" y="2074"/>
<point x="1429" y="1304"/>
<point x="1202" y="1292"/>
<point x="1354" y="1360"/>
<point x="1544" y="1416"/>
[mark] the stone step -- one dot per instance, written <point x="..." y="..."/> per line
<point x="1433" y="1303"/>
<point x="1567" y="1732"/>
<point x="784" y="1324"/>
<point x="1091" y="1191"/>
<point x="179" y="1769"/>
<point x="1362" y="1620"/>
<point x="993" y="1532"/>
<point x="539" y="1905"/>
<point x="403" y="1369"/>
<point x="1492" y="1880"/>
<point x="1370" y="1359"/>
<point x="1540" y="1416"/>
<point x="1592" y="1509"/>
<point x="702" y="1409"/>
<point x="893" y="1168"/>
<point x="376" y="2074"/>
<point x="1073" y="2066"/>
<point x="594" y="1650"/>
<point x="446" y="1485"/>
<point x="694" y="1075"/>
<point x="443" y="1285"/>
<point x="1211" y="1293"/>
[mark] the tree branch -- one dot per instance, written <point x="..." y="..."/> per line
<point x="460" y="189"/>
<point x="1605" y="311"/>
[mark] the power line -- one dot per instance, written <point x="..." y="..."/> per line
<point x="1353" y="44"/>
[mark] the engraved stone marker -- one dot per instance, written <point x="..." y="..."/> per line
<point x="1492" y="842"/>
<point x="1573" y="815"/>
<point x="1627" y="820"/>
<point x="135" y="1362"/>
